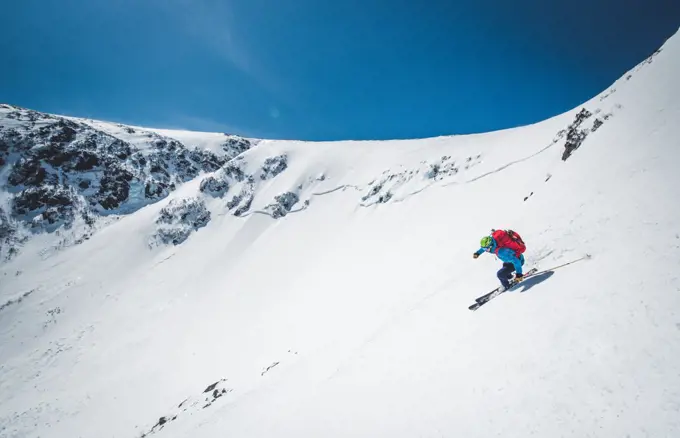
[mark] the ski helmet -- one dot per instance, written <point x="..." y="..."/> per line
<point x="486" y="241"/>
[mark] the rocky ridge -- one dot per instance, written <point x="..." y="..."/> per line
<point x="63" y="173"/>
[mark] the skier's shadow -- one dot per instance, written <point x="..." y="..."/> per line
<point x="533" y="281"/>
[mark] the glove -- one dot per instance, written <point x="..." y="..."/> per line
<point x="519" y="277"/>
<point x="475" y="255"/>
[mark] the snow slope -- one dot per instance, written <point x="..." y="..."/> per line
<point x="345" y="313"/>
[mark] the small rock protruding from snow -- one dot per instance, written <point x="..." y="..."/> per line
<point x="191" y="405"/>
<point x="376" y="194"/>
<point x="179" y="219"/>
<point x="596" y="125"/>
<point x="438" y="170"/>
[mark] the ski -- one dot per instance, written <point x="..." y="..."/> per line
<point x="480" y="301"/>
<point x="484" y="299"/>
<point x="529" y="273"/>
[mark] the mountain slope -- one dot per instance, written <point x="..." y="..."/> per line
<point x="322" y="290"/>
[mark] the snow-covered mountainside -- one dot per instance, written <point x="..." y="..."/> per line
<point x="175" y="284"/>
<point x="63" y="174"/>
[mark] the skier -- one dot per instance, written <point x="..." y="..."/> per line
<point x="508" y="246"/>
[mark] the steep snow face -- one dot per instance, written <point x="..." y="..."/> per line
<point x="321" y="289"/>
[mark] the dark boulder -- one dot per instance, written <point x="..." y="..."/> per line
<point x="27" y="172"/>
<point x="283" y="204"/>
<point x="155" y="190"/>
<point x="273" y="166"/>
<point x="235" y="145"/>
<point x="114" y="187"/>
<point x="179" y="219"/>
<point x="34" y="199"/>
<point x="214" y="187"/>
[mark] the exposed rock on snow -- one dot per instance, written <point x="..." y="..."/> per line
<point x="233" y="175"/>
<point x="52" y="203"/>
<point x="191" y="405"/>
<point x="179" y="219"/>
<point x="10" y="237"/>
<point x="445" y="167"/>
<point x="377" y="194"/>
<point x="233" y="171"/>
<point x="649" y="59"/>
<point x="62" y="168"/>
<point x="6" y="228"/>
<point x="155" y="190"/>
<point x="576" y="133"/>
<point x="576" y="136"/>
<point x="243" y="201"/>
<point x="596" y="125"/>
<point x="235" y="145"/>
<point x="114" y="187"/>
<point x="17" y="300"/>
<point x="26" y="172"/>
<point x="282" y="204"/>
<point x="383" y="189"/>
<point x="273" y="166"/>
<point x="214" y="187"/>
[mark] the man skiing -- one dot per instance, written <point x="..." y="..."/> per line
<point x="508" y="246"/>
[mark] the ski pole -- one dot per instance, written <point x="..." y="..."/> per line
<point x="587" y="256"/>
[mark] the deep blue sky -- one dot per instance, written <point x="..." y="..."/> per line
<point x="316" y="69"/>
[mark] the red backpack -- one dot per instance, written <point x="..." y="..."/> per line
<point x="509" y="239"/>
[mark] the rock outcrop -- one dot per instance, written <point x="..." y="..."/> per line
<point x="179" y="219"/>
<point x="61" y="169"/>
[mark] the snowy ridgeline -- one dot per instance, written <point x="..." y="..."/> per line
<point x="239" y="188"/>
<point x="64" y="175"/>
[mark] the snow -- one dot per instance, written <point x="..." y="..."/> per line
<point x="142" y="136"/>
<point x="202" y="140"/>
<point x="348" y="316"/>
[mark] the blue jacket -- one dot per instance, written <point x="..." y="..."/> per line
<point x="506" y="255"/>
